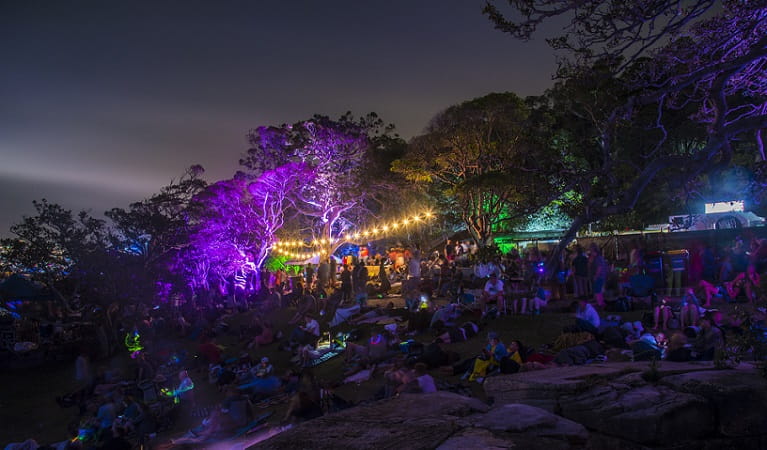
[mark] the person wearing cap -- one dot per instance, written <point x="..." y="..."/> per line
<point x="493" y="292"/>
<point x="263" y="369"/>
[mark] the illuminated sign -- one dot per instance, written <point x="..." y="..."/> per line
<point x="722" y="207"/>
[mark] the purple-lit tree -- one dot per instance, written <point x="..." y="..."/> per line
<point x="336" y="153"/>
<point x="236" y="227"/>
<point x="702" y="58"/>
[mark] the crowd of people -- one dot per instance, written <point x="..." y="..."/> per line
<point x="448" y="297"/>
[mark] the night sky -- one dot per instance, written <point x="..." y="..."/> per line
<point x="103" y="102"/>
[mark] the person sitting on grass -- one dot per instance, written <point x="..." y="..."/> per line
<point x="490" y="359"/>
<point x="709" y="339"/>
<point x="266" y="336"/>
<point x="493" y="292"/>
<point x="538" y="301"/>
<point x="305" y="334"/>
<point x="690" y="312"/>
<point x="678" y="350"/>
<point x="709" y="290"/>
<point x="586" y="317"/>
<point x="661" y="314"/>
<point x="262" y="369"/>
<point x="305" y="303"/>
<point x="745" y="282"/>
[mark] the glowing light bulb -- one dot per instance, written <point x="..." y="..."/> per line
<point x="416" y="218"/>
<point x="394" y="225"/>
<point x="386" y="227"/>
<point x="405" y="222"/>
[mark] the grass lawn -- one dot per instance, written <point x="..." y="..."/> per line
<point x="28" y="408"/>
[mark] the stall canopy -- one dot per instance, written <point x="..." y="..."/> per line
<point x="313" y="260"/>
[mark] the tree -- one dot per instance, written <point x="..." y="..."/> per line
<point x="663" y="61"/>
<point x="483" y="164"/>
<point x="150" y="234"/>
<point x="337" y="154"/>
<point x="55" y="243"/>
<point x="237" y="226"/>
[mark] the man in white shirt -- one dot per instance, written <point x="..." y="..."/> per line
<point x="493" y="292"/>
<point x="307" y="333"/>
<point x="586" y="317"/>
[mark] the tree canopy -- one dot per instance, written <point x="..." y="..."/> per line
<point x="483" y="163"/>
<point x="673" y="84"/>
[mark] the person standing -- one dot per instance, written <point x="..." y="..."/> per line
<point x="449" y="251"/>
<point x="580" y="266"/>
<point x="359" y="282"/>
<point x="346" y="284"/>
<point x="323" y="273"/>
<point x="598" y="270"/>
<point x="332" y="273"/>
<point x="309" y="275"/>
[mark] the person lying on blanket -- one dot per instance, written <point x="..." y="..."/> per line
<point x="211" y="428"/>
<point x="374" y="314"/>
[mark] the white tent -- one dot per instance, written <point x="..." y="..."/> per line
<point x="313" y="260"/>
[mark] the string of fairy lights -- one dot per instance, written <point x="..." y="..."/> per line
<point x="297" y="248"/>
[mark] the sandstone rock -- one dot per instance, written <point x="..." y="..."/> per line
<point x="739" y="396"/>
<point x="475" y="438"/>
<point x="518" y="418"/>
<point x="408" y="421"/>
<point x="647" y="415"/>
<point x="543" y="388"/>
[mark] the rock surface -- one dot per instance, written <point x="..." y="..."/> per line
<point x="740" y="405"/>
<point x="599" y="406"/>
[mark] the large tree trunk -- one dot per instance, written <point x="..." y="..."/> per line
<point x="571" y="233"/>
